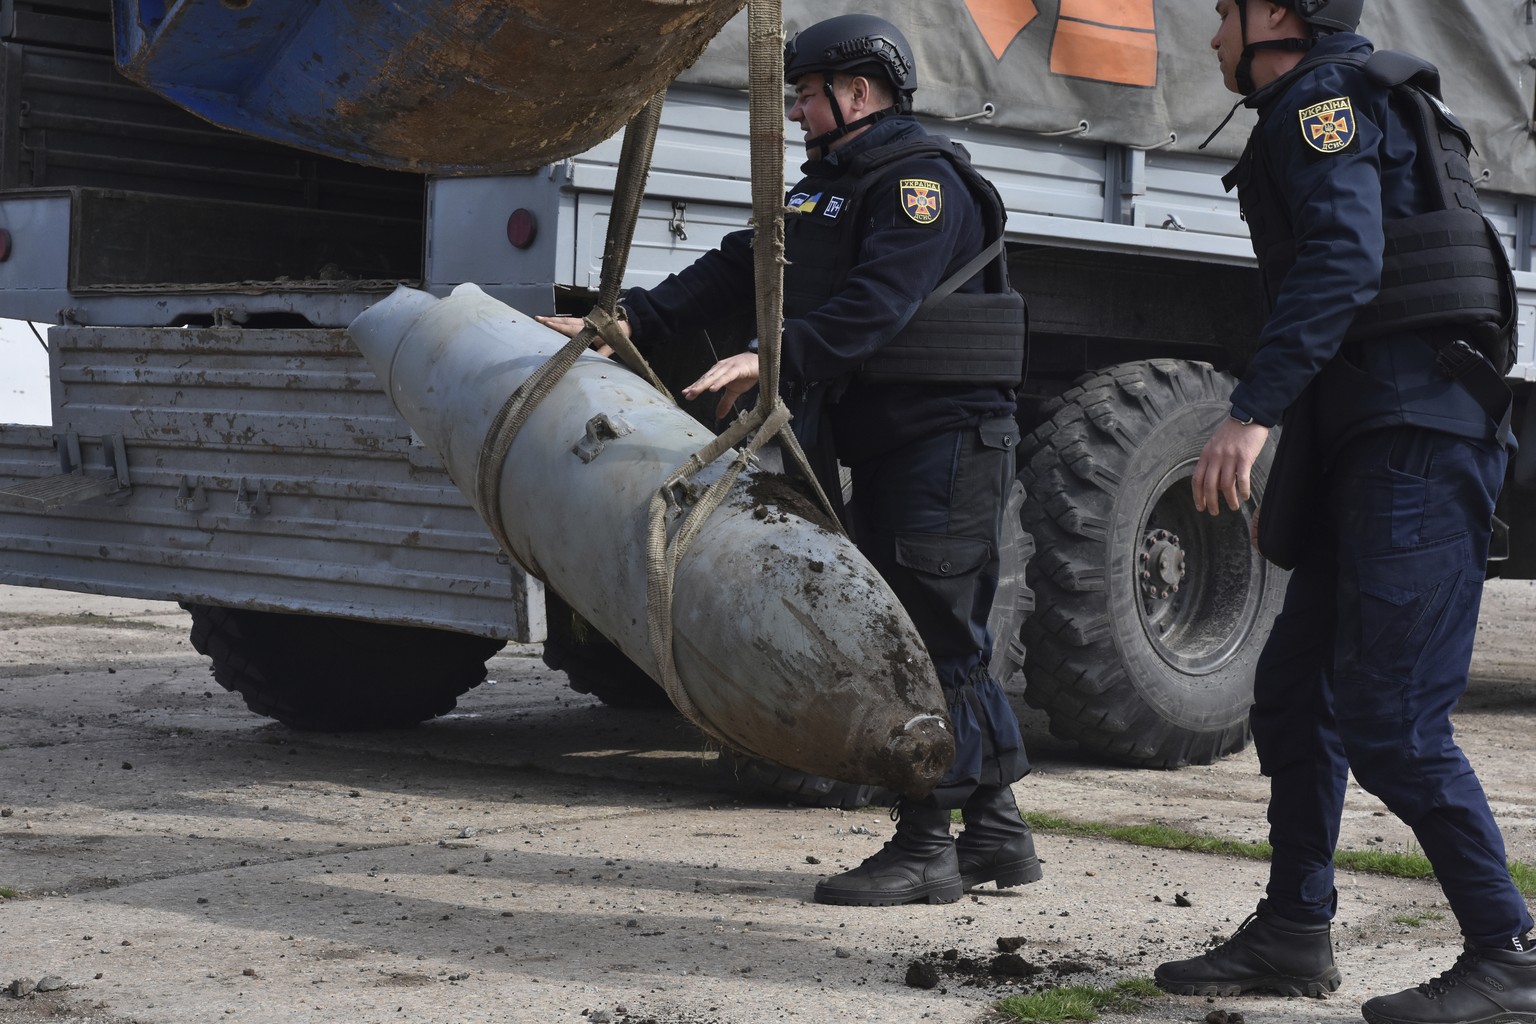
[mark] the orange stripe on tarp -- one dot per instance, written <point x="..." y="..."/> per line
<point x="1116" y="55"/>
<point x="1001" y="21"/>
<point x="1119" y="13"/>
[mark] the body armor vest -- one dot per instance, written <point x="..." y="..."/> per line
<point x="953" y="338"/>
<point x="1444" y="268"/>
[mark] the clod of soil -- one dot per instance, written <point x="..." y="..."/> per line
<point x="1011" y="965"/>
<point x="921" y="974"/>
<point x="789" y="495"/>
<point x="1007" y="970"/>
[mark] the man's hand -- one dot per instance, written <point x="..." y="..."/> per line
<point x="1225" y="464"/>
<point x="736" y="376"/>
<point x="570" y="326"/>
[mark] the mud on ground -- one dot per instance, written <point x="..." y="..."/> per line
<point x="536" y="856"/>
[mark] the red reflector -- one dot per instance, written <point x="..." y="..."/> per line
<point x="522" y="228"/>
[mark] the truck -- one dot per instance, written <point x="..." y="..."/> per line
<point x="216" y="440"/>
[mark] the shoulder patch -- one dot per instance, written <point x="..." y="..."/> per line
<point x="921" y="199"/>
<point x="1329" y="126"/>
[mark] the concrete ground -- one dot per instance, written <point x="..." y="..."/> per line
<point x="536" y="856"/>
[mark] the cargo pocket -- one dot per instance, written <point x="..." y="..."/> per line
<point x="1002" y="434"/>
<point x="1403" y="597"/>
<point x="939" y="590"/>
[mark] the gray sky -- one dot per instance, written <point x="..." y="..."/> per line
<point x="23" y="374"/>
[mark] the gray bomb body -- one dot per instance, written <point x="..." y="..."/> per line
<point x="788" y="642"/>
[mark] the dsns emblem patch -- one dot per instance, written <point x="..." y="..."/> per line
<point x="1329" y="126"/>
<point x="921" y="199"/>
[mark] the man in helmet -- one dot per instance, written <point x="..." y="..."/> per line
<point x="1387" y="292"/>
<point x="894" y="247"/>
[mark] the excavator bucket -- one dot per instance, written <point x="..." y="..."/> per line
<point x="431" y="86"/>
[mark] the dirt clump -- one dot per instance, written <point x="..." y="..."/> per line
<point x="1003" y="973"/>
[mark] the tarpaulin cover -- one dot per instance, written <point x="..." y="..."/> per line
<point x="1140" y="71"/>
<point x="464" y="86"/>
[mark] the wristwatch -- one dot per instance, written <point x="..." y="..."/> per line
<point x="1242" y="416"/>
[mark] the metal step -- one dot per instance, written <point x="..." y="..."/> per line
<point x="50" y="493"/>
<point x="74" y="484"/>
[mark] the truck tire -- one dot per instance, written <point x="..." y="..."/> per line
<point x="592" y="664"/>
<point x="323" y="674"/>
<point x="1149" y="616"/>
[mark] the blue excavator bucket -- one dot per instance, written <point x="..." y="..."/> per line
<point x="438" y="86"/>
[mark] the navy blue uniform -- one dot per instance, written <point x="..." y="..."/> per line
<point x="899" y="263"/>
<point x="931" y="463"/>
<point x="1371" y="650"/>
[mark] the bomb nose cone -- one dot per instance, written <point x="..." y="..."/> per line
<point x="918" y="755"/>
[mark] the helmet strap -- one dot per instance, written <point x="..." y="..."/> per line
<point x="1244" y="70"/>
<point x="824" y="140"/>
<point x="1245" y="83"/>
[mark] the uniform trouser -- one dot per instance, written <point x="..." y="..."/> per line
<point x="1368" y="657"/>
<point x="929" y="516"/>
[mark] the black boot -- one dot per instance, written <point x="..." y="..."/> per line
<point x="1483" y="985"/>
<point x="1267" y="953"/>
<point x="918" y="864"/>
<point x="996" y="844"/>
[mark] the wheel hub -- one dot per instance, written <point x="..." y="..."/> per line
<point x="1162" y="565"/>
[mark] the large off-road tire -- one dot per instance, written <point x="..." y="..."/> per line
<point x="592" y="664"/>
<point x="324" y="674"/>
<point x="1149" y="616"/>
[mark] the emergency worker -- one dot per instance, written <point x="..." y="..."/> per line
<point x="1387" y="296"/>
<point x="894" y="247"/>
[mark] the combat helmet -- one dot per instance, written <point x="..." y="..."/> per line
<point x="853" y="42"/>
<point x="1331" y="15"/>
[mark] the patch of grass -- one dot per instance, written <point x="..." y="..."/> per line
<point x="1524" y="876"/>
<point x="1078" y="1002"/>
<point x="88" y="619"/>
<point x="1163" y="837"/>
<point x="1383" y="862"/>
<point x="1409" y="920"/>
<point x="7" y="893"/>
